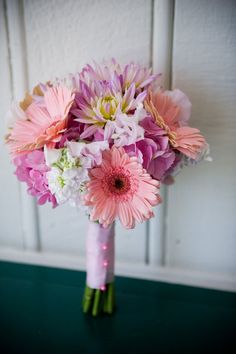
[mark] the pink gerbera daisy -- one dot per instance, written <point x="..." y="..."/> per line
<point x="120" y="187"/>
<point x="44" y="121"/>
<point x="171" y="111"/>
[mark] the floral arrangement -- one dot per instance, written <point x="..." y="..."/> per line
<point x="103" y="140"/>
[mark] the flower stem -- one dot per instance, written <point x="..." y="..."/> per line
<point x="110" y="298"/>
<point x="87" y="300"/>
<point x="98" y="301"/>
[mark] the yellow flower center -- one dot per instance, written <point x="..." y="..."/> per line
<point x="107" y="106"/>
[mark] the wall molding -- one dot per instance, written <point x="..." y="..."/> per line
<point x="206" y="280"/>
<point x="19" y="77"/>
<point x="161" y="53"/>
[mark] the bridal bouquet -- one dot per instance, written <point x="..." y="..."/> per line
<point x="103" y="140"/>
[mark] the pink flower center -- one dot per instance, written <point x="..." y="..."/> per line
<point x="119" y="183"/>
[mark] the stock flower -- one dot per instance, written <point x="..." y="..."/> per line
<point x="69" y="169"/>
<point x="31" y="168"/>
<point x="171" y="112"/>
<point x="66" y="176"/>
<point x="43" y="121"/>
<point x="125" y="130"/>
<point x="92" y="151"/>
<point x="120" y="187"/>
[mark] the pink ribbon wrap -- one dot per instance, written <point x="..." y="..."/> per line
<point x="100" y="250"/>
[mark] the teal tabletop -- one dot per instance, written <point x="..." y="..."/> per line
<point x="41" y="313"/>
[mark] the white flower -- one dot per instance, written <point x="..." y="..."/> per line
<point x="67" y="186"/>
<point x="68" y="175"/>
<point x="125" y="130"/>
<point x="139" y="114"/>
<point x="92" y="151"/>
<point x="69" y="169"/>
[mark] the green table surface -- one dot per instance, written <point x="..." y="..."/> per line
<point x="41" y="313"/>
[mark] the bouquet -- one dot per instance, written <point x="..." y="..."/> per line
<point x="103" y="140"/>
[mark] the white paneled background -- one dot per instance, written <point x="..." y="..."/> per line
<point x="192" y="239"/>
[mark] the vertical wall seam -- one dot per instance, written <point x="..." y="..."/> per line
<point x="162" y="53"/>
<point x="165" y="259"/>
<point x="172" y="43"/>
<point x="147" y="244"/>
<point x="10" y="68"/>
<point x="8" y="47"/>
<point x="166" y="192"/>
<point x="24" y="44"/>
<point x="147" y="229"/>
<point x="25" y="63"/>
<point x="16" y="31"/>
<point x="151" y="33"/>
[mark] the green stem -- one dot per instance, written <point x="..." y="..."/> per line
<point x="87" y="299"/>
<point x="95" y="310"/>
<point x="96" y="301"/>
<point x="105" y="302"/>
<point x="110" y="298"/>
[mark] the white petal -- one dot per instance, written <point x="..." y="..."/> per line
<point x="75" y="148"/>
<point x="51" y="155"/>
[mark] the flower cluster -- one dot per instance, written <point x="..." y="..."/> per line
<point x="104" y="141"/>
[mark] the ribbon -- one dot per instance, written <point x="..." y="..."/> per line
<point x="100" y="249"/>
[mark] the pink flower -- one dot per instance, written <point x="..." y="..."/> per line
<point x="31" y="168"/>
<point x="171" y="112"/>
<point x="122" y="77"/>
<point x="153" y="151"/>
<point x="107" y="91"/>
<point x="120" y="187"/>
<point x="73" y="131"/>
<point x="45" y="121"/>
<point x="158" y="156"/>
<point x="101" y="102"/>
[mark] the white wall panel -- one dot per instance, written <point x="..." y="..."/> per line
<point x="64" y="35"/>
<point x="202" y="203"/>
<point x="10" y="207"/>
<point x="61" y="36"/>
